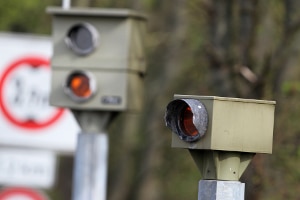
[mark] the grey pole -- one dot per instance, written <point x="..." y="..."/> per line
<point x="221" y="190"/>
<point x="90" y="172"/>
<point x="66" y="4"/>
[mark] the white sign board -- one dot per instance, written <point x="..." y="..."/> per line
<point x="30" y="168"/>
<point x="26" y="119"/>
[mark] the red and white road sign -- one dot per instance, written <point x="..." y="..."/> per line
<point x="26" y="118"/>
<point x="23" y="95"/>
<point x="21" y="194"/>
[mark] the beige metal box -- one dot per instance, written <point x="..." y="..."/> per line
<point x="111" y="52"/>
<point x="234" y="124"/>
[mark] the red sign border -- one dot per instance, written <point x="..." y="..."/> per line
<point x="35" y="61"/>
<point x="7" y="192"/>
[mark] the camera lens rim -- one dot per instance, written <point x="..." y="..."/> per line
<point x="174" y="118"/>
<point x="82" y="38"/>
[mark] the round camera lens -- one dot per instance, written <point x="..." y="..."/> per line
<point x="79" y="86"/>
<point x="82" y="38"/>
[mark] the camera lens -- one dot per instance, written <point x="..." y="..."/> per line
<point x="82" y="38"/>
<point x="79" y="86"/>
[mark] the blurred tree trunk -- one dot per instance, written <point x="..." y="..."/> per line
<point x="285" y="50"/>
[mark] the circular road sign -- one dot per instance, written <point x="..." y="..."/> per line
<point x="24" y="94"/>
<point x="21" y="194"/>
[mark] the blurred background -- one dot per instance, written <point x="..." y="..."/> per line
<point x="236" y="48"/>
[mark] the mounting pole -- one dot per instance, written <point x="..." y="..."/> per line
<point x="221" y="190"/>
<point x="90" y="173"/>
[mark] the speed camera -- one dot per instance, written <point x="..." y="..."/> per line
<point x="221" y="133"/>
<point x="98" y="60"/>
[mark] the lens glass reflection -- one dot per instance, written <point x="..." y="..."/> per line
<point x="79" y="85"/>
<point x="186" y="122"/>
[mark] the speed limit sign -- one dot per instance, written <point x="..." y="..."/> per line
<point x="26" y="118"/>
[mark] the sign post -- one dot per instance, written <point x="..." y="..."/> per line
<point x="90" y="173"/>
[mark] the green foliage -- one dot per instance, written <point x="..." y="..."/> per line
<point x="25" y="16"/>
<point x="291" y="88"/>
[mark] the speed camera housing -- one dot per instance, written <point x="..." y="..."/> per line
<point x="98" y="60"/>
<point x="222" y="134"/>
<point x="226" y="124"/>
